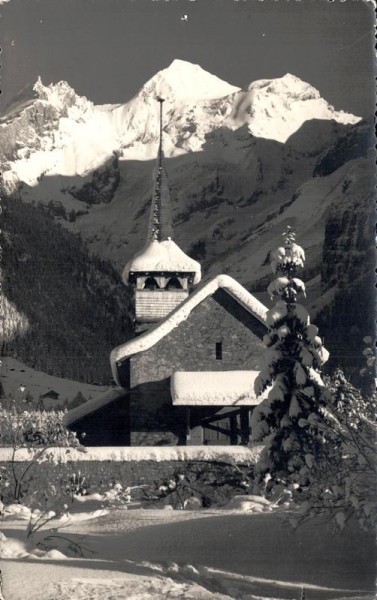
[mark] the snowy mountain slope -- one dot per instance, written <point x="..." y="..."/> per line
<point x="307" y="214"/>
<point x="226" y="198"/>
<point x="220" y="196"/>
<point x="61" y="133"/>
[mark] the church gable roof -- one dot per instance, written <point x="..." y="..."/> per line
<point x="182" y="312"/>
<point x="91" y="406"/>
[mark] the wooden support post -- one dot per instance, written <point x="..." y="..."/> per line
<point x="245" y="427"/>
<point x="188" y="430"/>
<point x="233" y="430"/>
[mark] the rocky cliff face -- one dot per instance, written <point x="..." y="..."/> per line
<point x="357" y="143"/>
<point x="348" y="241"/>
<point x="347" y="273"/>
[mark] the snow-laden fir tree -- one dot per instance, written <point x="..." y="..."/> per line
<point x="290" y="371"/>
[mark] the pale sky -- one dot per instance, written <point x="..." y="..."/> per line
<point x="107" y="49"/>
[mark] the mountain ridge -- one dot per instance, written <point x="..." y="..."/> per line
<point x="63" y="133"/>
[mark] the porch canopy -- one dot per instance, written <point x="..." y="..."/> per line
<point x="214" y="388"/>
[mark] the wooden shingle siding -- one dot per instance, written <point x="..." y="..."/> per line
<point x="153" y="305"/>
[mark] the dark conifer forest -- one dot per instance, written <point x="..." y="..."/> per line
<point x="63" y="309"/>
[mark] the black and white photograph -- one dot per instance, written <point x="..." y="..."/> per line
<point x="187" y="300"/>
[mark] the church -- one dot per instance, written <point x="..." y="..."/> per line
<point x="186" y="377"/>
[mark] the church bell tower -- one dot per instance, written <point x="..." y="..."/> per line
<point x="161" y="275"/>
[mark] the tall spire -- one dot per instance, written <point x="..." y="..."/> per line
<point x="160" y="256"/>
<point x="160" y="225"/>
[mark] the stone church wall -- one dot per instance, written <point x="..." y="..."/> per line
<point x="189" y="347"/>
<point x="192" y="345"/>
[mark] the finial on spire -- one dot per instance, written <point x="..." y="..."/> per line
<point x="160" y="150"/>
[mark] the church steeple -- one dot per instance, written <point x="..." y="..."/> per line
<point x="160" y="225"/>
<point x="162" y="274"/>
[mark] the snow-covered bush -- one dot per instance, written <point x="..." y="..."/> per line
<point x="294" y="354"/>
<point x="30" y="429"/>
<point x="369" y="370"/>
<point x="343" y="481"/>
<point x="38" y="431"/>
<point x="205" y="486"/>
<point x="78" y="484"/>
<point x="174" y="491"/>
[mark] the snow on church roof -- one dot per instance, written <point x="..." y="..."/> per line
<point x="159" y="256"/>
<point x="214" y="388"/>
<point x="91" y="406"/>
<point x="180" y="314"/>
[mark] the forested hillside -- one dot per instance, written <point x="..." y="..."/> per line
<point x="63" y="309"/>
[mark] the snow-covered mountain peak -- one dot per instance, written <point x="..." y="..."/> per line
<point x="57" y="132"/>
<point x="289" y="85"/>
<point x="56" y="94"/>
<point x="196" y="103"/>
<point x="61" y="96"/>
<point x="277" y="108"/>
<point x="185" y="80"/>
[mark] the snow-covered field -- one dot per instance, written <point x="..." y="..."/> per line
<point x="146" y="554"/>
<point x="18" y="380"/>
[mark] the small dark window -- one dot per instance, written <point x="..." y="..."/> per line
<point x="219" y="350"/>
